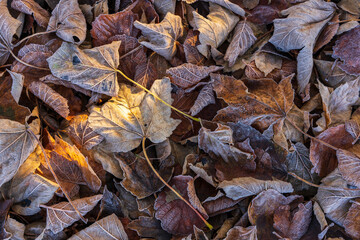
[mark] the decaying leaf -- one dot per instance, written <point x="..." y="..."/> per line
<point x="62" y="215"/>
<point x="15" y="228"/>
<point x="247" y="186"/>
<point x="125" y="120"/>
<point x="205" y="98"/>
<point x="188" y="75"/>
<point x="93" y="69"/>
<point x="31" y="7"/>
<point x="145" y="74"/>
<point x="242" y="40"/>
<point x="229" y="5"/>
<point x="352" y="219"/>
<point x="215" y="28"/>
<point x="242" y="233"/>
<point x="162" y="36"/>
<point x="109" y="227"/>
<point x="299" y="31"/>
<point x="349" y="163"/>
<point x="8" y="28"/>
<point x="149" y="227"/>
<point x="17" y="85"/>
<point x="68" y="21"/>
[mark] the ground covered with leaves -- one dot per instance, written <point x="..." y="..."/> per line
<point x="179" y="119"/>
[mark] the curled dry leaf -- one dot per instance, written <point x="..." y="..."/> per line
<point x="235" y="8"/>
<point x="324" y="158"/>
<point x="162" y="36"/>
<point x="125" y="120"/>
<point x="215" y="28"/>
<point x="176" y="217"/>
<point x="17" y="85"/>
<point x="349" y="164"/>
<point x="50" y="97"/>
<point x="109" y="227"/>
<point x="62" y="215"/>
<point x="68" y="21"/>
<point x="242" y="40"/>
<point x="31" y="7"/>
<point x="8" y="28"/>
<point x="299" y="31"/>
<point x="205" y="98"/>
<point x="348" y="51"/>
<point x="139" y="179"/>
<point x="241" y="233"/>
<point x="247" y="186"/>
<point x="82" y="134"/>
<point x="107" y="26"/>
<point x="149" y="227"/>
<point x="93" y="69"/>
<point x="188" y="75"/>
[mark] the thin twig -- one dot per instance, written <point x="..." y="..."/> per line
<point x="56" y="178"/>
<point x="5" y="66"/>
<point x="172" y="189"/>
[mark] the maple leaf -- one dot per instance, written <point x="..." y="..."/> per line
<point x="300" y="31"/>
<point x="215" y="28"/>
<point x="8" y="28"/>
<point x="93" y="69"/>
<point x="162" y="36"/>
<point x="68" y="21"/>
<point x="125" y="120"/>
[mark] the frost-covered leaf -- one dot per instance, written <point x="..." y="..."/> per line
<point x="17" y="85"/>
<point x="241" y="233"/>
<point x="68" y="21"/>
<point x="145" y="74"/>
<point x="62" y="215"/>
<point x="31" y="7"/>
<point x="215" y="28"/>
<point x="15" y="228"/>
<point x="331" y="73"/>
<point x="165" y="6"/>
<point x="352" y="219"/>
<point x="149" y="227"/>
<point x="242" y="40"/>
<point x="205" y="98"/>
<point x="126" y="119"/>
<point x="299" y="31"/>
<point x="247" y="186"/>
<point x="349" y="164"/>
<point x="109" y="227"/>
<point x="93" y="69"/>
<point x="162" y="36"/>
<point x="235" y="8"/>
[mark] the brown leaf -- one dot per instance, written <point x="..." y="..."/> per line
<point x="352" y="219"/>
<point x="62" y="215"/>
<point x="31" y="7"/>
<point x="327" y="33"/>
<point x="82" y="134"/>
<point x="176" y="217"/>
<point x="139" y="179"/>
<point x="58" y="81"/>
<point x="110" y="203"/>
<point x="107" y="26"/>
<point x="4" y="209"/>
<point x="294" y="224"/>
<point x="241" y="233"/>
<point x="205" y="98"/>
<point x="187" y="75"/>
<point x="149" y="227"/>
<point x="242" y="40"/>
<point x="348" y="51"/>
<point x="349" y="163"/>
<point x="324" y="158"/>
<point x="50" y="97"/>
<point x="266" y="11"/>
<point x="68" y="21"/>
<point x="191" y="53"/>
<point x="218" y="204"/>
<point x="145" y="9"/>
<point x="146" y="74"/>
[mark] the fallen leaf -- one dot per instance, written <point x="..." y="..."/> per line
<point x="247" y="186"/>
<point x="31" y="7"/>
<point x="162" y="36"/>
<point x="349" y="162"/>
<point x="110" y="203"/>
<point x="229" y="5"/>
<point x="107" y="26"/>
<point x="8" y="28"/>
<point x="218" y="204"/>
<point x="4" y="209"/>
<point x="191" y="53"/>
<point x="146" y="74"/>
<point x="165" y="6"/>
<point x="82" y="134"/>
<point x="327" y="33"/>
<point x="267" y="62"/>
<point x="293" y="225"/>
<point x="351" y="220"/>
<point x="188" y="75"/>
<point x="242" y="233"/>
<point x="242" y="40"/>
<point x="140" y="179"/>
<point x="51" y="98"/>
<point x="17" y="85"/>
<point x="125" y="120"/>
<point x="266" y="12"/>
<point x="336" y="202"/>
<point x="176" y="217"/>
<point x="347" y="51"/>
<point x="299" y="31"/>
<point x="68" y="21"/>
<point x="93" y="69"/>
<point x="62" y="215"/>
<point x="57" y="81"/>
<point x="145" y="9"/>
<point x="15" y="228"/>
<point x="109" y="227"/>
<point x="324" y="158"/>
<point x="149" y="227"/>
<point x="205" y="98"/>
<point x="215" y="28"/>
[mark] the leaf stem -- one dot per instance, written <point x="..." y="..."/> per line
<point x="172" y="189"/>
<point x="33" y="35"/>
<point x="158" y="98"/>
<point x="56" y="178"/>
<point x="25" y="63"/>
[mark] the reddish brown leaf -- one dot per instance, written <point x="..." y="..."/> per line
<point x="349" y="164"/>
<point x="348" y="51"/>
<point x="149" y="227"/>
<point x="241" y="233"/>
<point x="324" y="158"/>
<point x="352" y="219"/>
<point x="146" y="74"/>
<point x="144" y="7"/>
<point x="191" y="53"/>
<point x="50" y="97"/>
<point x="176" y="217"/>
<point x="205" y="98"/>
<point x="107" y="26"/>
<point x="327" y="33"/>
<point x="32" y="8"/>
<point x="267" y="11"/>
